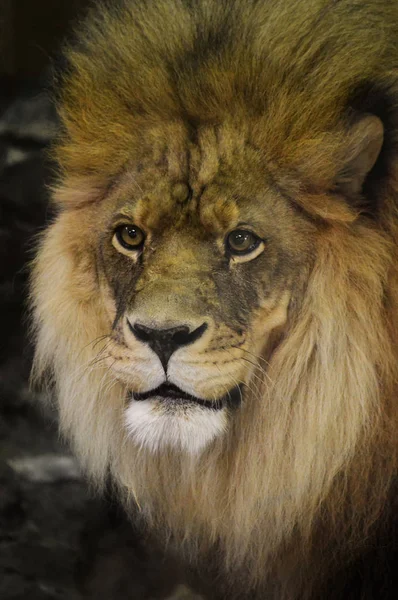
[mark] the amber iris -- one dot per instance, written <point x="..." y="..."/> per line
<point x="130" y="236"/>
<point x="242" y="241"/>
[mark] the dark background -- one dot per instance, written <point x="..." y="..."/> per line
<point x="30" y="32"/>
<point x="57" y="541"/>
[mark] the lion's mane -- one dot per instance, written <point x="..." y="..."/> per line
<point x="305" y="475"/>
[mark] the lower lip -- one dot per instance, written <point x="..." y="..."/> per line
<point x="232" y="400"/>
<point x="183" y="401"/>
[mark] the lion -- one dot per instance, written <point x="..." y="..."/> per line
<point x="215" y="302"/>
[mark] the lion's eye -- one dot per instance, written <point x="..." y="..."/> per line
<point x="241" y="241"/>
<point x="130" y="237"/>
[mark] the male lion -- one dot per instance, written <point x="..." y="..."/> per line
<point x="216" y="300"/>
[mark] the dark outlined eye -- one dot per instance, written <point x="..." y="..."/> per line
<point x="241" y="241"/>
<point x="130" y="237"/>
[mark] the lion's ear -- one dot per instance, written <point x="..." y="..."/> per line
<point x="364" y="146"/>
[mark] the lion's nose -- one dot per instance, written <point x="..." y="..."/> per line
<point x="166" y="341"/>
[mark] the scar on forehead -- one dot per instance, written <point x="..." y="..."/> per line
<point x="166" y="200"/>
<point x="181" y="192"/>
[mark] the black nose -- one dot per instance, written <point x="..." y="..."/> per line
<point x="166" y="341"/>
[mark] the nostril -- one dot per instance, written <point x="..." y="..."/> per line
<point x="181" y="337"/>
<point x="140" y="331"/>
<point x="196" y="334"/>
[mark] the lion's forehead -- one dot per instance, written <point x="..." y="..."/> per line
<point x="208" y="174"/>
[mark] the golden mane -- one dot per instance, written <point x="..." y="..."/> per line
<point x="307" y="470"/>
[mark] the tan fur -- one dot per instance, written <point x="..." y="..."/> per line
<point x="306" y="467"/>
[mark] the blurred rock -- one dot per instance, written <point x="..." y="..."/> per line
<point x="46" y="468"/>
<point x="30" y="117"/>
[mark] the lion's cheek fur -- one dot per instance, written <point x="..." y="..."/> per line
<point x="69" y="317"/>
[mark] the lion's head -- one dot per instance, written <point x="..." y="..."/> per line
<point x="215" y="299"/>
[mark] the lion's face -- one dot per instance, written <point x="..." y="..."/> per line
<point x="196" y="279"/>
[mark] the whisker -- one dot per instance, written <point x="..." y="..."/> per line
<point x="228" y="393"/>
<point x="104" y="377"/>
<point x="256" y="392"/>
<point x="95" y="341"/>
<point x="252" y="354"/>
<point x="257" y="366"/>
<point x="85" y="369"/>
<point x="261" y="371"/>
<point x="98" y="359"/>
<point x="87" y="366"/>
<point x="102" y="350"/>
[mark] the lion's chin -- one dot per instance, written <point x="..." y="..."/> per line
<point x="183" y="424"/>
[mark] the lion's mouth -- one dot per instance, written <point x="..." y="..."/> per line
<point x="169" y="391"/>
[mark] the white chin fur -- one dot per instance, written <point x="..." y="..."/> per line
<point x="157" y="424"/>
